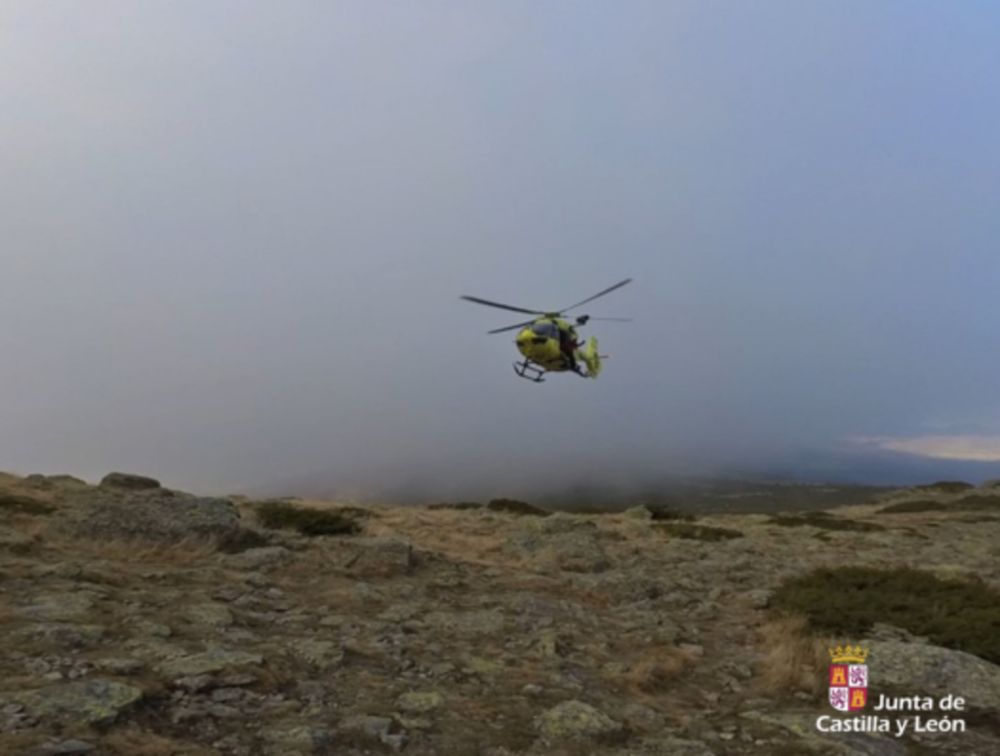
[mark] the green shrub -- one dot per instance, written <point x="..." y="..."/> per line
<point x="972" y="503"/>
<point x="514" y="506"/>
<point x="311" y="522"/>
<point x="946" y="486"/>
<point x="590" y="508"/>
<point x="661" y="513"/>
<point x="23" y="505"/>
<point x="920" y="505"/>
<point x="456" y="505"/>
<point x="978" y="504"/>
<point x="823" y="520"/>
<point x="697" y="532"/>
<point x="355" y="512"/>
<point x="241" y="540"/>
<point x="39" y="482"/>
<point x="847" y="601"/>
<point x="976" y="519"/>
<point x="68" y="480"/>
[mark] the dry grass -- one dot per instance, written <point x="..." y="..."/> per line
<point x="596" y="598"/>
<point x="516" y="736"/>
<point x="54" y="492"/>
<point x="24" y="742"/>
<point x="23" y="681"/>
<point x="6" y="614"/>
<point x="137" y="742"/>
<point x="186" y="553"/>
<point x="460" y="535"/>
<point x="668" y="679"/>
<point x="657" y="674"/>
<point x="316" y="564"/>
<point x="34" y="528"/>
<point x="793" y="660"/>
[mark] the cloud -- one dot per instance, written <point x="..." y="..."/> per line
<point x="235" y="234"/>
<point x="971" y="448"/>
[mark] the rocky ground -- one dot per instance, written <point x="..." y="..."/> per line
<point x="141" y="621"/>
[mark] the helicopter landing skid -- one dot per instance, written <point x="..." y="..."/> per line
<point x="521" y="368"/>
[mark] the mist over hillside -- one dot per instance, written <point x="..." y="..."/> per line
<point x="248" y="277"/>
<point x="618" y="483"/>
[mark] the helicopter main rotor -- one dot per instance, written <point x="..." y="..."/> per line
<point x="581" y="320"/>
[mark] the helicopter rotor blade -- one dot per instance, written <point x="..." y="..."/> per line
<point x="582" y="320"/>
<point x="511" y="328"/>
<point x="486" y="302"/>
<point x="599" y="294"/>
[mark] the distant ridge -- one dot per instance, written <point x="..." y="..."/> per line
<point x="615" y="486"/>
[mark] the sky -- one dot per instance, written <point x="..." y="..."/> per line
<point x="235" y="235"/>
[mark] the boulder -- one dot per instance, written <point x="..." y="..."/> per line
<point x="93" y="701"/>
<point x="575" y="720"/>
<point x="129" y="482"/>
<point x="562" y="542"/>
<point x="926" y="670"/>
<point x="383" y="556"/>
<point x="154" y="518"/>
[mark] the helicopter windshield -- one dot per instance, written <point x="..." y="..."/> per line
<point x="546" y="330"/>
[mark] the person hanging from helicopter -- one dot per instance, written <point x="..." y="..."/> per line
<point x="568" y="345"/>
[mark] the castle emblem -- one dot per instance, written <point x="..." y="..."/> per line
<point x="849" y="678"/>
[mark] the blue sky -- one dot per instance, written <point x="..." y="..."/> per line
<point x="236" y="233"/>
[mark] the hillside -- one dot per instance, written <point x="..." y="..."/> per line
<point x="143" y="621"/>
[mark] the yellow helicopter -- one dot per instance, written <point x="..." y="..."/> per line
<point x="549" y="344"/>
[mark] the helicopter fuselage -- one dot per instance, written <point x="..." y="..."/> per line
<point x="540" y="343"/>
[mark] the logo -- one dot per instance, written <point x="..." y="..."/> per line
<point x="849" y="678"/>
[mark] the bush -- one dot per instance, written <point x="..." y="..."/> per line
<point x="823" y="520"/>
<point x="516" y="507"/>
<point x="309" y="522"/>
<point x="848" y="601"/>
<point x="240" y="540"/>
<point x="457" y="505"/>
<point x="662" y="513"/>
<point x="23" y="505"/>
<point x="697" y="532"/>
<point x="978" y="504"/>
<point x="977" y="519"/>
<point x="907" y="507"/>
<point x="973" y="503"/>
<point x="946" y="486"/>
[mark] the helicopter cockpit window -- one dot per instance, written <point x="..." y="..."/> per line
<point x="545" y="330"/>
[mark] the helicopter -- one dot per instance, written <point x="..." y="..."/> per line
<point x="549" y="343"/>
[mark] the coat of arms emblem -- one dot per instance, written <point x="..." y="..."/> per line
<point x="849" y="678"/>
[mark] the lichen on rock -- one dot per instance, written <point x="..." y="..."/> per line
<point x="576" y="719"/>
<point x="92" y="701"/>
